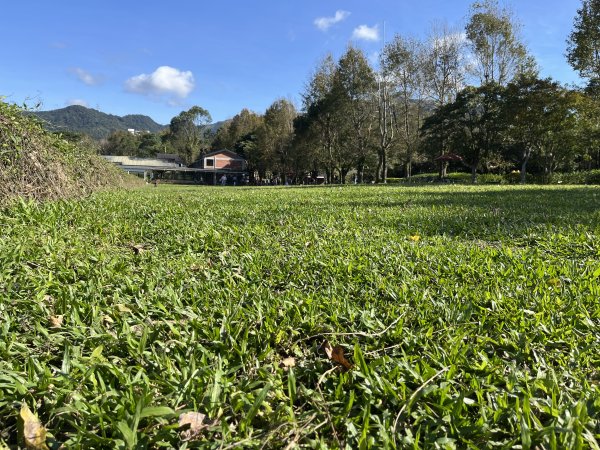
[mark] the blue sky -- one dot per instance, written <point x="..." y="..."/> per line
<point x="159" y="58"/>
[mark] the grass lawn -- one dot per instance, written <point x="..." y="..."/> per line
<point x="470" y="316"/>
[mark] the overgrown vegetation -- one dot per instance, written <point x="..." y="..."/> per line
<point x="35" y="164"/>
<point x="470" y="317"/>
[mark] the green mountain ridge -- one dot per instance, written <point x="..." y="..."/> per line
<point x="94" y="123"/>
<point x="100" y="125"/>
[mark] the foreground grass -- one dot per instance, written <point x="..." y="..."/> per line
<point x="471" y="316"/>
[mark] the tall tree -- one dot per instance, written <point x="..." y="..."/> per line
<point x="186" y="132"/>
<point x="588" y="131"/>
<point x="244" y="123"/>
<point x="493" y="35"/>
<point x="403" y="61"/>
<point x="472" y="124"/>
<point x="444" y="70"/>
<point x="150" y="144"/>
<point x="122" y="143"/>
<point x="276" y="136"/>
<point x="385" y="118"/>
<point x="322" y="120"/>
<point x="540" y="116"/>
<point x="356" y="86"/>
<point x="583" y="51"/>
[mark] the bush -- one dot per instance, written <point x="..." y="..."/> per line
<point x="583" y="177"/>
<point x="490" y="178"/>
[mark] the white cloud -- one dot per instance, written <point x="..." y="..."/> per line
<point x="366" y="33"/>
<point x="323" y="23"/>
<point x="165" y="80"/>
<point x="86" y="77"/>
<point x="77" y="101"/>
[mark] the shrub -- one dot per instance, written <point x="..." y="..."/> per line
<point x="490" y="178"/>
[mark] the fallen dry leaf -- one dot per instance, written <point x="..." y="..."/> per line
<point x="122" y="308"/>
<point x="336" y="354"/>
<point x="137" y="248"/>
<point x="288" y="362"/>
<point x="197" y="423"/>
<point x="33" y="433"/>
<point x="56" y="321"/>
<point x="107" y="319"/>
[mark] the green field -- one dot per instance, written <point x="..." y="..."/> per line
<point x="471" y="316"/>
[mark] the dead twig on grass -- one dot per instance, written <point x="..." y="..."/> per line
<point x="412" y="397"/>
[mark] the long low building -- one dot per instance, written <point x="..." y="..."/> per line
<point x="227" y="168"/>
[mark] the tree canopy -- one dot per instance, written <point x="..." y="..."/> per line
<point x="583" y="51"/>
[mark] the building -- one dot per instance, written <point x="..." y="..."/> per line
<point x="217" y="167"/>
<point x="218" y="163"/>
<point x="223" y="160"/>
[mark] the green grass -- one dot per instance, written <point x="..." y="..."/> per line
<point x="471" y="315"/>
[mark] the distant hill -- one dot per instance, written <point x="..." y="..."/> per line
<point x="214" y="127"/>
<point x="100" y="125"/>
<point x="94" y="123"/>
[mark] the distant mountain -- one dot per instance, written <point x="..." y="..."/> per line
<point x="100" y="125"/>
<point x="94" y="123"/>
<point x="214" y="127"/>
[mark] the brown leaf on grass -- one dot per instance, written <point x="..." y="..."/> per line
<point x="192" y="424"/>
<point x="56" y="321"/>
<point x="137" y="248"/>
<point x="32" y="432"/>
<point x="336" y="354"/>
<point x="288" y="362"/>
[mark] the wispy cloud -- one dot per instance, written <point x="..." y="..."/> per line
<point x="86" y="77"/>
<point x="366" y="33"/>
<point x="77" y="101"/>
<point x="164" y="81"/>
<point x="324" y="23"/>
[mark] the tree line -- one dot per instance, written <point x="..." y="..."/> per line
<point x="469" y="98"/>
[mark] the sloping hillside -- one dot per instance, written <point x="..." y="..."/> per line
<point x="94" y="123"/>
<point x="36" y="164"/>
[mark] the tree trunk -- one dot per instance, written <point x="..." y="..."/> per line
<point x="361" y="175"/>
<point x="443" y="169"/>
<point x="343" y="173"/>
<point x="474" y="174"/>
<point x="379" y="167"/>
<point x="384" y="168"/>
<point x="524" y="171"/>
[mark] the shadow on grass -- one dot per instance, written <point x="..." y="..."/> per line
<point x="488" y="211"/>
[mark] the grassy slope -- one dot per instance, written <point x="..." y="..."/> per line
<point x="471" y="315"/>
<point x="35" y="164"/>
